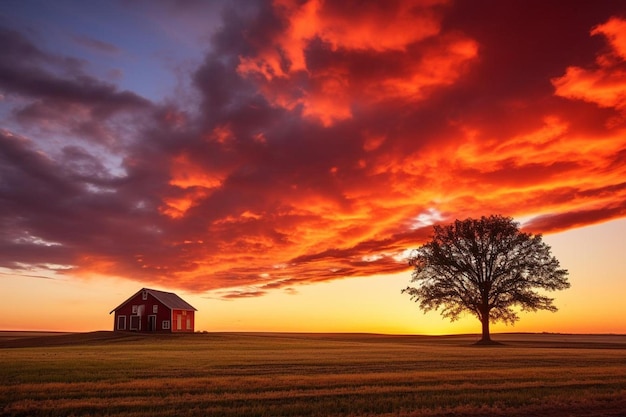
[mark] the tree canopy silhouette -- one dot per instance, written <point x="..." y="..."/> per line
<point x="486" y="267"/>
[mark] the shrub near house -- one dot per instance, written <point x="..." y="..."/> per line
<point x="154" y="311"/>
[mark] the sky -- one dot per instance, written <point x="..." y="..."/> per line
<point x="274" y="162"/>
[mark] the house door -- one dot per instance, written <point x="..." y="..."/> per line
<point x="151" y="323"/>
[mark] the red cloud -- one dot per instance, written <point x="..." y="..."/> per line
<point x="316" y="62"/>
<point x="328" y="139"/>
<point x="604" y="85"/>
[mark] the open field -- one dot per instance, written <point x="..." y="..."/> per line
<point x="267" y="374"/>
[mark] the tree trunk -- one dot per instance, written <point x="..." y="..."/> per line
<point x="486" y="336"/>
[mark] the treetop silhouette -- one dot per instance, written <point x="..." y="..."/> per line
<point x="486" y="267"/>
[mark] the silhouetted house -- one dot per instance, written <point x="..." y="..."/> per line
<point x="154" y="311"/>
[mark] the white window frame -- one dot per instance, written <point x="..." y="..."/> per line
<point x="165" y="325"/>
<point x="134" y="309"/>
<point x="155" y="308"/>
<point x="119" y="318"/>
<point x="144" y="295"/>
<point x="188" y="323"/>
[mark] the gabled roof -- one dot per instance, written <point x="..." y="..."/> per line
<point x="169" y="299"/>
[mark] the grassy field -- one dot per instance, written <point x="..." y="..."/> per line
<point x="245" y="374"/>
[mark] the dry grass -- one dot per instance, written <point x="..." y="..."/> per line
<point x="311" y="375"/>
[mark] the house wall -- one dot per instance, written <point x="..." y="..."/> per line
<point x="143" y="310"/>
<point x="186" y="320"/>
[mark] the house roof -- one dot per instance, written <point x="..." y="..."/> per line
<point x="169" y="299"/>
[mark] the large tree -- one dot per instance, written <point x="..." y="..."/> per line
<point x="486" y="267"/>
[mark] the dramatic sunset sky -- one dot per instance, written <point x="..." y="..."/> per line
<point x="273" y="162"/>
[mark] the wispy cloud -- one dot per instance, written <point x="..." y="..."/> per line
<point x="95" y="44"/>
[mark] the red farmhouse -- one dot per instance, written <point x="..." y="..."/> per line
<point x="154" y="311"/>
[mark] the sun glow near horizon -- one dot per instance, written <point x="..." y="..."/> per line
<point x="364" y="304"/>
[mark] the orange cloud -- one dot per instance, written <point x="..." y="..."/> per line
<point x="551" y="169"/>
<point x="358" y="211"/>
<point x="604" y="85"/>
<point x="187" y="174"/>
<point x="440" y="65"/>
<point x="347" y="34"/>
<point x="326" y="140"/>
<point x="193" y="183"/>
<point x="345" y="25"/>
<point x="615" y="32"/>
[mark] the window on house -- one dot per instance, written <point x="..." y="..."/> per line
<point x="166" y="324"/>
<point x="155" y="308"/>
<point x="144" y="295"/>
<point x="188" y="324"/>
<point x="135" y="323"/>
<point x="121" y="322"/>
<point x="134" y="309"/>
